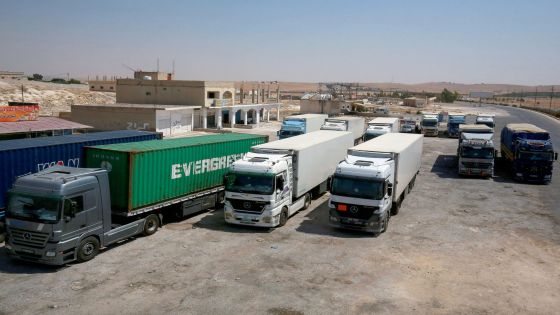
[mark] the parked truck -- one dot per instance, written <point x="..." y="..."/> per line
<point x="63" y="214"/>
<point x="528" y="150"/>
<point x="371" y="183"/>
<point x="429" y="125"/>
<point x="485" y="119"/>
<point x="25" y="156"/>
<point x="380" y="126"/>
<point x="475" y="151"/>
<point x="453" y="122"/>
<point x="277" y="179"/>
<point x="356" y="125"/>
<point x="300" y="124"/>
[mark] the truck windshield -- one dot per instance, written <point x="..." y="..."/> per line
<point x="357" y="187"/>
<point x="250" y="183"/>
<point x="534" y="136"/>
<point x="290" y="133"/>
<point x="536" y="156"/>
<point x="428" y="123"/>
<point x="34" y="208"/>
<point x="482" y="153"/>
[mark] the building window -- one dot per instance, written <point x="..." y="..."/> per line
<point x="111" y="88"/>
<point x="101" y="87"/>
<point x="165" y="89"/>
<point x="211" y="95"/>
<point x="148" y="93"/>
<point x="93" y="87"/>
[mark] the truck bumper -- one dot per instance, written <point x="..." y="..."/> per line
<point x="49" y="255"/>
<point x="266" y="219"/>
<point x="476" y="172"/>
<point x="373" y="225"/>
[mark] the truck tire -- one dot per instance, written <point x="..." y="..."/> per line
<point x="151" y="225"/>
<point x="283" y="217"/>
<point x="88" y="248"/>
<point x="396" y="207"/>
<point x="307" y="201"/>
<point x="386" y="223"/>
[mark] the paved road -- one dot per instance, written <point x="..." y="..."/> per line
<point x="549" y="193"/>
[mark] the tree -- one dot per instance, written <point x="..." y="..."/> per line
<point x="37" y="77"/>
<point x="447" y="96"/>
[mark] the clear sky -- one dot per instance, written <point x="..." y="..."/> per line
<point x="306" y="41"/>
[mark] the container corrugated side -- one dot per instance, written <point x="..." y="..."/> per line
<point x="149" y="173"/>
<point x="26" y="156"/>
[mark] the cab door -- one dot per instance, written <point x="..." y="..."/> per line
<point x="74" y="217"/>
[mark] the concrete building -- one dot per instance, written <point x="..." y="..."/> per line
<point x="103" y="85"/>
<point x="175" y="92"/>
<point x="316" y="103"/>
<point x="167" y="119"/>
<point x="153" y="75"/>
<point x="10" y="75"/>
<point x="418" y="101"/>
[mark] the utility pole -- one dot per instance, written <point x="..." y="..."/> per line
<point x="551" y="96"/>
<point x="22" y="99"/>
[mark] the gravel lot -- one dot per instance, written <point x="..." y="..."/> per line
<point x="459" y="245"/>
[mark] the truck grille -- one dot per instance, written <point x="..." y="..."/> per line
<point x="247" y="205"/>
<point x="477" y="165"/>
<point x="28" y="238"/>
<point x="356" y="212"/>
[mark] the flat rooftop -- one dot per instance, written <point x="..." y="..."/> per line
<point x="140" y="106"/>
<point x="41" y="124"/>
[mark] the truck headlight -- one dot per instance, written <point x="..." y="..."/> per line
<point x="334" y="219"/>
<point x="519" y="174"/>
<point x="267" y="219"/>
<point x="228" y="215"/>
<point x="50" y="254"/>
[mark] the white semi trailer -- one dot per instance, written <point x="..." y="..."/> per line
<point x="279" y="178"/>
<point x="380" y="126"/>
<point x="356" y="125"/>
<point x="370" y="184"/>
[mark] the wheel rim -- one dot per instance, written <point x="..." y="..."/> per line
<point x="88" y="249"/>
<point x="307" y="201"/>
<point x="151" y="225"/>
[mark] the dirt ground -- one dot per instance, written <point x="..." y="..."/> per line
<point x="458" y="246"/>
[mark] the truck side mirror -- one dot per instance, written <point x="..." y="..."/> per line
<point x="390" y="189"/>
<point x="278" y="133"/>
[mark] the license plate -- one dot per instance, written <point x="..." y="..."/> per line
<point x="29" y="251"/>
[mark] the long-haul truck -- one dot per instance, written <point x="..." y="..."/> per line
<point x="453" y="122"/>
<point x="356" y="125"/>
<point x="380" y="126"/>
<point x="26" y="156"/>
<point x="476" y="150"/>
<point x="528" y="151"/>
<point x="371" y="183"/>
<point x="63" y="214"/>
<point x="429" y="125"/>
<point x="277" y="179"/>
<point x="300" y="124"/>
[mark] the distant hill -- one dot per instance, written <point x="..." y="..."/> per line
<point x="434" y="87"/>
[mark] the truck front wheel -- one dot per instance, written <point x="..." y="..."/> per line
<point x="283" y="217"/>
<point x="307" y="201"/>
<point x="151" y="224"/>
<point x="88" y="248"/>
<point x="396" y="207"/>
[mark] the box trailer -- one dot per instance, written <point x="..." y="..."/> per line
<point x="277" y="179"/>
<point x="355" y="125"/>
<point x="300" y="124"/>
<point x="371" y="183"/>
<point x="380" y="126"/>
<point x="125" y="192"/>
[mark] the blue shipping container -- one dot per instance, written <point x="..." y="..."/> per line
<point x="25" y="156"/>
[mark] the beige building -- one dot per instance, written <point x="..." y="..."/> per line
<point x="103" y="85"/>
<point x="167" y="119"/>
<point x="10" y="75"/>
<point x="316" y="103"/>
<point x="175" y="92"/>
<point x="153" y="75"/>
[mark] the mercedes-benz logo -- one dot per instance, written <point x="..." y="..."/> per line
<point x="354" y="209"/>
<point x="27" y="235"/>
<point x="247" y="205"/>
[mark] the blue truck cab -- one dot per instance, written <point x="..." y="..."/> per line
<point x="453" y="123"/>
<point x="299" y="124"/>
<point x="528" y="151"/>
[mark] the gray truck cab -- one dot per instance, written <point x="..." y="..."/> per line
<point x="63" y="214"/>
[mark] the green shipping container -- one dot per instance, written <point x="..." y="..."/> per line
<point x="145" y="173"/>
